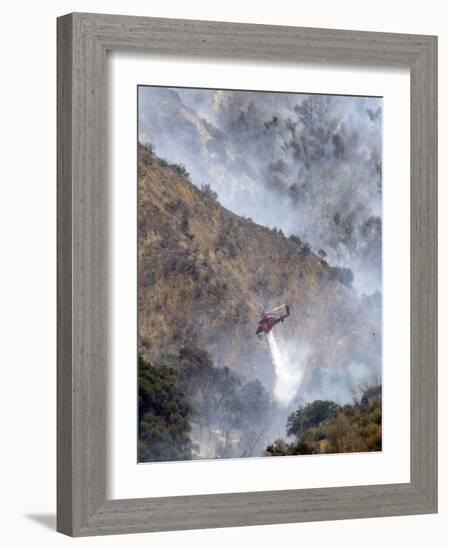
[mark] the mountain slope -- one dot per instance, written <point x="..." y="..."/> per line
<point x="205" y="275"/>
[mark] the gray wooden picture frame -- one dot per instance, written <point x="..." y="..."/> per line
<point x="83" y="40"/>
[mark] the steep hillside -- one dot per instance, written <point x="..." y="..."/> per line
<point x="205" y="275"/>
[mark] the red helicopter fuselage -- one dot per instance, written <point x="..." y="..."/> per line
<point x="269" y="320"/>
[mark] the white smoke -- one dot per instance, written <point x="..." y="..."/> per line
<point x="289" y="371"/>
<point x="310" y="165"/>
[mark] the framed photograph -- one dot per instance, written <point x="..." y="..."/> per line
<point x="247" y="281"/>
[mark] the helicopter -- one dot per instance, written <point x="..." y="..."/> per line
<point x="271" y="318"/>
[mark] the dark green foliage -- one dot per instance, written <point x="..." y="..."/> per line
<point x="281" y="448"/>
<point x="310" y="415"/>
<point x="164" y="414"/>
<point x="186" y="390"/>
<point x="326" y="427"/>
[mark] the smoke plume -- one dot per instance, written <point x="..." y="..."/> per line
<point x="310" y="165"/>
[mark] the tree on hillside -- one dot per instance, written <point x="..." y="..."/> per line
<point x="326" y="427"/>
<point x="188" y="390"/>
<point x="256" y="408"/>
<point x="222" y="402"/>
<point x="208" y="192"/>
<point x="310" y="415"/>
<point x="164" y="415"/>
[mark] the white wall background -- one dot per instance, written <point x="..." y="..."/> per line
<point x="27" y="274"/>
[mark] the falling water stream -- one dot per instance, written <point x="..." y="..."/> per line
<point x="288" y="375"/>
